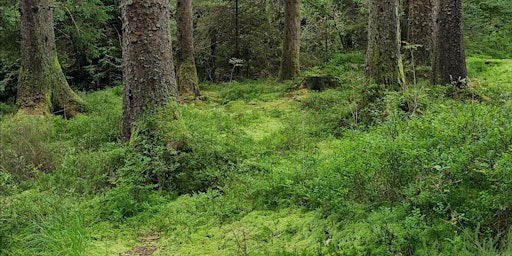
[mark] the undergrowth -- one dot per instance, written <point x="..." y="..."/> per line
<point x="260" y="168"/>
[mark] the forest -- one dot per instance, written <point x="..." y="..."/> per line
<point x="255" y="127"/>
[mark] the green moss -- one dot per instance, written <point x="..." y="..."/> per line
<point x="188" y="83"/>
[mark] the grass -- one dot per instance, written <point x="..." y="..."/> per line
<point x="272" y="170"/>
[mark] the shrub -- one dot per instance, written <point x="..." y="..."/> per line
<point x="27" y="145"/>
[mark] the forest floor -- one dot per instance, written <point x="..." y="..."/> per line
<point x="279" y="170"/>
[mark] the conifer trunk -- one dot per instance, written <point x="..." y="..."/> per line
<point x="186" y="70"/>
<point x="449" y="62"/>
<point x="42" y="86"/>
<point x="290" y="67"/>
<point x="420" y="27"/>
<point x="383" y="61"/>
<point x="148" y="70"/>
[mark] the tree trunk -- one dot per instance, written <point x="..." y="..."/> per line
<point x="404" y="18"/>
<point x="212" y="60"/>
<point x="383" y="61"/>
<point x="449" y="63"/>
<point x="186" y="71"/>
<point x="291" y="45"/>
<point x="42" y="87"/>
<point x="420" y="28"/>
<point x="237" y="30"/>
<point x="148" y="70"/>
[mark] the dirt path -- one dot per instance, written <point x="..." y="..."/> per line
<point x="147" y="244"/>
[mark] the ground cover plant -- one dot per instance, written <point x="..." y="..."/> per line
<point x="269" y="168"/>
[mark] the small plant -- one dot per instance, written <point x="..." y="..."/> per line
<point x="236" y="64"/>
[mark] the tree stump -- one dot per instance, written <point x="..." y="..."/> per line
<point x="320" y="82"/>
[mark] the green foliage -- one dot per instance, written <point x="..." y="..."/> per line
<point x="81" y="22"/>
<point x="58" y="234"/>
<point x="250" y="91"/>
<point x="9" y="35"/>
<point x="86" y="172"/>
<point x="259" y="168"/>
<point x="88" y="42"/>
<point x="330" y="27"/>
<point x="27" y="146"/>
<point x="151" y="162"/>
<point x="23" y="217"/>
<point x="8" y="81"/>
<point x="329" y="110"/>
<point x="488" y="28"/>
<point x="98" y="126"/>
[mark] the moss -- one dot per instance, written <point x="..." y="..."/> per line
<point x="34" y="96"/>
<point x="162" y="125"/>
<point x="187" y="79"/>
<point x="47" y="91"/>
<point x="64" y="100"/>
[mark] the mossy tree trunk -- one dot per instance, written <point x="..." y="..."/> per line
<point x="186" y="70"/>
<point x="42" y="87"/>
<point x="148" y="71"/>
<point x="449" y="62"/>
<point x="383" y="61"/>
<point x="420" y="27"/>
<point x="290" y="67"/>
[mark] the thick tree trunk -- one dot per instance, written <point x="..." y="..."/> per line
<point x="449" y="63"/>
<point x="420" y="27"/>
<point x="383" y="61"/>
<point x="148" y="70"/>
<point x="186" y="71"/>
<point x="291" y="45"/>
<point x="42" y="87"/>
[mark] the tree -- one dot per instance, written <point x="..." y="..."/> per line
<point x="291" y="44"/>
<point x="420" y="26"/>
<point x="383" y="61"/>
<point x="148" y="71"/>
<point x="186" y="70"/>
<point x="449" y="63"/>
<point x="42" y="87"/>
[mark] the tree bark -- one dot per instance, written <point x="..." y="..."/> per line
<point x="449" y="62"/>
<point x="383" y="60"/>
<point x="186" y="70"/>
<point x="290" y="67"/>
<point x="148" y="70"/>
<point x="212" y="59"/>
<point x="420" y="27"/>
<point x="42" y="87"/>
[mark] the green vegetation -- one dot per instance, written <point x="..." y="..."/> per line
<point x="256" y="167"/>
<point x="269" y="169"/>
